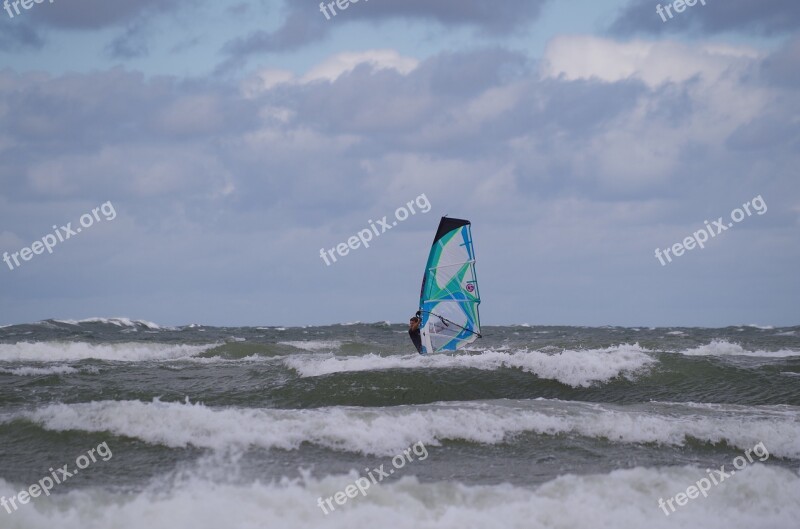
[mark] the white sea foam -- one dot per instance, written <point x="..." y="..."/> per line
<point x="211" y="360"/>
<point x="314" y="345"/>
<point x="386" y="431"/>
<point x="119" y="322"/>
<point x="760" y="496"/>
<point x="580" y="368"/>
<point x="725" y="348"/>
<point x="40" y="371"/>
<point x="73" y="351"/>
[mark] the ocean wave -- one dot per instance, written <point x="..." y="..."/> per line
<point x="120" y="352"/>
<point x="581" y="368"/>
<point x="314" y="345"/>
<point x="245" y="360"/>
<point x="118" y="322"/>
<point x="385" y="431"/>
<point x="760" y="496"/>
<point x="725" y="348"/>
<point x="40" y="371"/>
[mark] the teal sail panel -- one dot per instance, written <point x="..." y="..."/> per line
<point x="449" y="298"/>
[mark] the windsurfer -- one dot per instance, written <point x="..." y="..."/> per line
<point x="413" y="332"/>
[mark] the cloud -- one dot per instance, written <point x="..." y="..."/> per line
<point x="332" y="68"/>
<point x="342" y="63"/>
<point x="783" y="67"/>
<point x="134" y="18"/>
<point x="764" y="17"/>
<point x="618" y="119"/>
<point x="592" y="156"/>
<point x="595" y="118"/>
<point x="489" y="17"/>
<point x="299" y="29"/>
<point x="653" y="62"/>
<point x="131" y="43"/>
<point x="18" y="37"/>
<point x="305" y="24"/>
<point x="97" y="14"/>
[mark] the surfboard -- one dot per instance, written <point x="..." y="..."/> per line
<point x="449" y="297"/>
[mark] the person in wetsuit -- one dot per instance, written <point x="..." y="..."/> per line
<point x="413" y="332"/>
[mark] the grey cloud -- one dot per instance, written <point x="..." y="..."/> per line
<point x="19" y="36"/>
<point x="783" y="66"/>
<point x="130" y="44"/>
<point x="305" y="24"/>
<point x="94" y="14"/>
<point x="763" y="17"/>
<point x="336" y="136"/>
<point x="132" y="17"/>
<point x="777" y="128"/>
<point x="57" y="111"/>
<point x="299" y="29"/>
<point x="489" y="17"/>
<point x="765" y="132"/>
<point x="214" y="189"/>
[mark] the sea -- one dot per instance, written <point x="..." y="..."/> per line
<point x="134" y="425"/>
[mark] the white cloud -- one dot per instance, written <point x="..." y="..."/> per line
<point x="644" y="146"/>
<point x="654" y="63"/>
<point x="193" y="114"/>
<point x="331" y="69"/>
<point x="343" y="63"/>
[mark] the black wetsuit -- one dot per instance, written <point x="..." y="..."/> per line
<point x="416" y="338"/>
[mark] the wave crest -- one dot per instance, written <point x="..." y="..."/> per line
<point x="386" y="431"/>
<point x="75" y="351"/>
<point x="581" y="368"/>
<point x="726" y="348"/>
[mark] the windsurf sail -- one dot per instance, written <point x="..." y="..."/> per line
<point x="449" y="298"/>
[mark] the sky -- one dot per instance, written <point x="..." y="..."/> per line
<point x="210" y="152"/>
